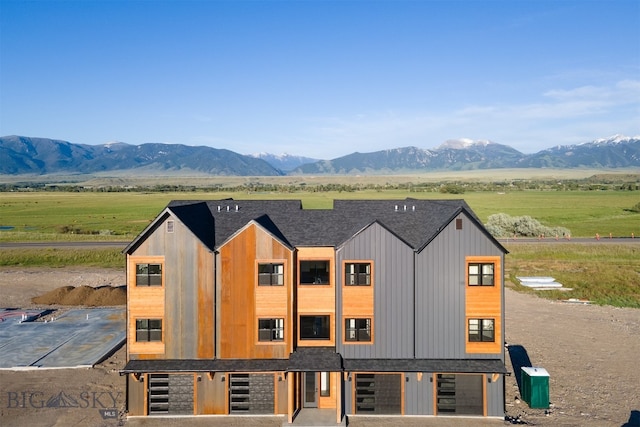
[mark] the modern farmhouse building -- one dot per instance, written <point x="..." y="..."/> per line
<point x="391" y="307"/>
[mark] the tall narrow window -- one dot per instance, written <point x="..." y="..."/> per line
<point x="148" y="330"/>
<point x="481" y="274"/>
<point x="481" y="330"/>
<point x="357" y="330"/>
<point x="271" y="274"/>
<point x="270" y="329"/>
<point x="357" y="274"/>
<point x="325" y="384"/>
<point x="148" y="274"/>
<point x="314" y="272"/>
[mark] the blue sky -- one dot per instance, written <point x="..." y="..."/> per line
<point x="320" y="78"/>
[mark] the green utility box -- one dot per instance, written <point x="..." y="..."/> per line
<point x="535" y="387"/>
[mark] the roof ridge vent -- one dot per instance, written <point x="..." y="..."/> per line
<point x="219" y="207"/>
<point x="237" y="208"/>
<point x="396" y="208"/>
<point x="413" y="208"/>
<point x="228" y="208"/>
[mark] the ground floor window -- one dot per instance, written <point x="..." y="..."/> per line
<point x="378" y="394"/>
<point x="459" y="394"/>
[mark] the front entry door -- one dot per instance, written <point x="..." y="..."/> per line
<point x="310" y="390"/>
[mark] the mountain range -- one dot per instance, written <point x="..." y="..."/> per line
<point x="41" y="156"/>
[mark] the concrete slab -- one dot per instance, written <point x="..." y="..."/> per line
<point x="78" y="338"/>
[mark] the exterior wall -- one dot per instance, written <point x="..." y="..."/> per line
<point x="242" y="301"/>
<point x="317" y="299"/>
<point x="136" y="395"/>
<point x="186" y="295"/>
<point x="441" y="291"/>
<point x="211" y="394"/>
<point x="419" y="391"/>
<point x="393" y="318"/>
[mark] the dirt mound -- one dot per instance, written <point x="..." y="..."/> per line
<point x="54" y="296"/>
<point x="84" y="296"/>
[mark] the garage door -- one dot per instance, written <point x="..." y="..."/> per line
<point x="251" y="394"/>
<point x="170" y="394"/>
<point x="378" y="394"/>
<point x="459" y="394"/>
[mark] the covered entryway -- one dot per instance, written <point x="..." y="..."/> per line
<point x="315" y="385"/>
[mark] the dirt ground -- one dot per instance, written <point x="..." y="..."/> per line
<point x="592" y="355"/>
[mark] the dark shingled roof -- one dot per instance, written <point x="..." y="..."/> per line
<point x="205" y="365"/>
<point x="318" y="359"/>
<point x="315" y="359"/>
<point x="469" y="366"/>
<point x="414" y="221"/>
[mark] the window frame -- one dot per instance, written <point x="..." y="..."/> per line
<point x="144" y="326"/>
<point x="327" y="263"/>
<point x="480" y="275"/>
<point x="481" y="329"/>
<point x="352" y="278"/>
<point x="272" y="274"/>
<point x="276" y="328"/>
<point x="357" y="321"/>
<point x="150" y="283"/>
<point x="316" y="316"/>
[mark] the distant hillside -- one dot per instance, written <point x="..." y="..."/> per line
<point x="23" y="155"/>
<point x="42" y="156"/>
<point x="614" y="152"/>
<point x="284" y="162"/>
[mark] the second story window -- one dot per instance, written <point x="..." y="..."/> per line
<point x="357" y="274"/>
<point x="314" y="272"/>
<point x="270" y="329"/>
<point x="270" y="274"/>
<point x="481" y="274"/>
<point x="148" y="274"/>
<point x="481" y="330"/>
<point x="315" y="327"/>
<point x="357" y="329"/>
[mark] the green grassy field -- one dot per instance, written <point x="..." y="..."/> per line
<point x="28" y="216"/>
<point x="605" y="274"/>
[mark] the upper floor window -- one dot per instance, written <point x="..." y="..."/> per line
<point x="270" y="329"/>
<point x="148" y="274"/>
<point x="270" y="274"/>
<point x="315" y="327"/>
<point x="357" y="274"/>
<point x="314" y="272"/>
<point x="481" y="330"/>
<point x="148" y="330"/>
<point x="357" y="329"/>
<point x="481" y="274"/>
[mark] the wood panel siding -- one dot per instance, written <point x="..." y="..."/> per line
<point x="243" y="302"/>
<point x="206" y="326"/>
<point x="210" y="393"/>
<point x="144" y="302"/>
<point x="317" y="299"/>
<point x="485" y="302"/>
